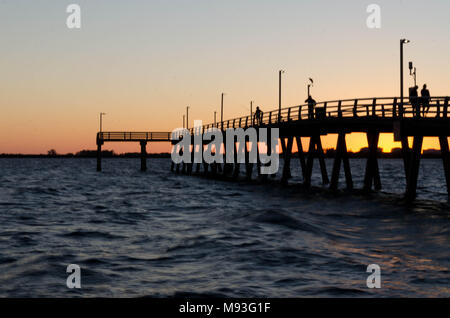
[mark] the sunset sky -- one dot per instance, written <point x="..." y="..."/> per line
<point x="143" y="61"/>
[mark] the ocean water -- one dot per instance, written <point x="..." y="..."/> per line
<point x="161" y="234"/>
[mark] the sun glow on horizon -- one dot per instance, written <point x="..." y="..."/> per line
<point x="143" y="62"/>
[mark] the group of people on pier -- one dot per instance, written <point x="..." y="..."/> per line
<point x="258" y="117"/>
<point x="419" y="103"/>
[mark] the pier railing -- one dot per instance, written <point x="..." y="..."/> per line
<point x="384" y="107"/>
<point x="135" y="136"/>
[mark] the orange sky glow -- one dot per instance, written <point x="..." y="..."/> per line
<point x="143" y="62"/>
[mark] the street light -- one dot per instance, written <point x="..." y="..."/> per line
<point x="402" y="42"/>
<point x="279" y="94"/>
<point x="221" y="109"/>
<point x="184" y="119"/>
<point x="215" y="113"/>
<point x="187" y="117"/>
<point x="101" y="118"/>
<point x="310" y="84"/>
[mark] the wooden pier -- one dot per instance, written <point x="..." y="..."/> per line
<point x="141" y="137"/>
<point x="371" y="116"/>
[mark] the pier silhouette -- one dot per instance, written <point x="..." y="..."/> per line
<point x="371" y="116"/>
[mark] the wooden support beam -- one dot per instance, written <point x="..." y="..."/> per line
<point x="321" y="156"/>
<point x="301" y="156"/>
<point x="337" y="162"/>
<point x="191" y="164"/>
<point x="99" y="156"/>
<point x="214" y="169"/>
<point x="143" y="155"/>
<point x="414" y="165"/>
<point x="443" y="140"/>
<point x="197" y="168"/>
<point x="376" y="175"/>
<point x="341" y="156"/>
<point x="205" y="168"/>
<point x="347" y="170"/>
<point x="310" y="162"/>
<point x="205" y="164"/>
<point x="283" y="149"/>
<point x="236" y="169"/>
<point x="200" y="150"/>
<point x="219" y="168"/>
<point x="248" y="164"/>
<point x="226" y="166"/>
<point x="269" y="151"/>
<point x="372" y="174"/>
<point x="287" y="154"/>
<point x="406" y="155"/>
<point x="258" y="161"/>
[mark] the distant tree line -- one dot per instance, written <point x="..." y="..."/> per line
<point x="329" y="153"/>
<point x="86" y="154"/>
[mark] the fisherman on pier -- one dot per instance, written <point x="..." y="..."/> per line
<point x="258" y="116"/>
<point x="311" y="104"/>
<point x="414" y="100"/>
<point x="425" y="99"/>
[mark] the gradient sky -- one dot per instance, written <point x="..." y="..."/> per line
<point x="143" y="61"/>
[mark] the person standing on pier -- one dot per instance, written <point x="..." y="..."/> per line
<point x="425" y="99"/>
<point x="311" y="104"/>
<point x="414" y="100"/>
<point x="258" y="116"/>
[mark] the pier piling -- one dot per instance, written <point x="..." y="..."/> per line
<point x="443" y="140"/>
<point x="341" y="157"/>
<point x="143" y="155"/>
<point x="372" y="175"/>
<point x="414" y="164"/>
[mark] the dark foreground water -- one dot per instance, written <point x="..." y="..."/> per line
<point x="162" y="234"/>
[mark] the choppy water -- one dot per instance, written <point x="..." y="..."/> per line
<point x="162" y="234"/>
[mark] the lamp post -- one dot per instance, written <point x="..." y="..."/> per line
<point x="184" y="119"/>
<point x="221" y="110"/>
<point x="310" y="84"/>
<point x="402" y="42"/>
<point x="101" y="120"/>
<point x="279" y="94"/>
<point x="187" y="117"/>
<point x="215" y="113"/>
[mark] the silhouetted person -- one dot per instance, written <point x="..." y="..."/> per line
<point x="311" y="104"/>
<point x="414" y="100"/>
<point x="258" y="116"/>
<point x="425" y="99"/>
